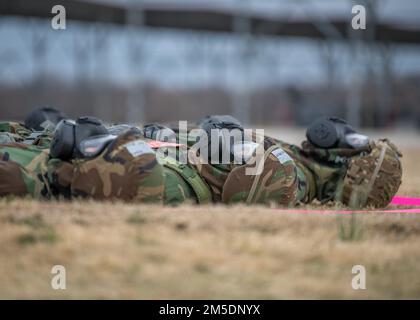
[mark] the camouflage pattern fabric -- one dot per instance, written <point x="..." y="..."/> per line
<point x="16" y="132"/>
<point x="177" y="190"/>
<point x="6" y="137"/>
<point x="322" y="175"/>
<point x="60" y="176"/>
<point x="23" y="161"/>
<point x="13" y="132"/>
<point x="63" y="179"/>
<point x="372" y="179"/>
<point x="318" y="176"/>
<point x="345" y="174"/>
<point x="11" y="179"/>
<point x="126" y="170"/>
<point x="348" y="175"/>
<point x="182" y="182"/>
<point x="23" y="170"/>
<point x="277" y="183"/>
<point x="333" y="155"/>
<point x="215" y="176"/>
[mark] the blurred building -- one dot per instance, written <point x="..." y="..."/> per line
<point x="267" y="62"/>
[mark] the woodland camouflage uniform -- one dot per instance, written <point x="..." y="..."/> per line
<point x="359" y="177"/>
<point x="128" y="169"/>
<point x="23" y="167"/>
<point x="277" y="183"/>
<point x="27" y="169"/>
<point x="367" y="176"/>
<point x="116" y="174"/>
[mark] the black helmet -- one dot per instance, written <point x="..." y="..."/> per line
<point x="44" y="118"/>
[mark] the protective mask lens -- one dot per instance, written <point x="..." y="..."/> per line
<point x="93" y="146"/>
<point x="356" y="140"/>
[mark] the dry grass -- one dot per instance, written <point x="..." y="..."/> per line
<point x="135" y="251"/>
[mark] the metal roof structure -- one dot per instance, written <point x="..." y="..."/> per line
<point x="211" y="18"/>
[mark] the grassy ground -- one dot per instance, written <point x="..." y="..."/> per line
<point x="134" y="251"/>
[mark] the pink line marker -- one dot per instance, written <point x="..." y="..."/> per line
<point x="396" y="201"/>
<point x="406" y="201"/>
<point x="344" y="212"/>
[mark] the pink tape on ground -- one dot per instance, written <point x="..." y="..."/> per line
<point x="343" y="212"/>
<point x="406" y="201"/>
<point x="396" y="201"/>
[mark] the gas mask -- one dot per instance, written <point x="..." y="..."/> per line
<point x="84" y="138"/>
<point x="223" y="132"/>
<point x="333" y="132"/>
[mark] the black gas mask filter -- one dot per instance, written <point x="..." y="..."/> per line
<point x="333" y="132"/>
